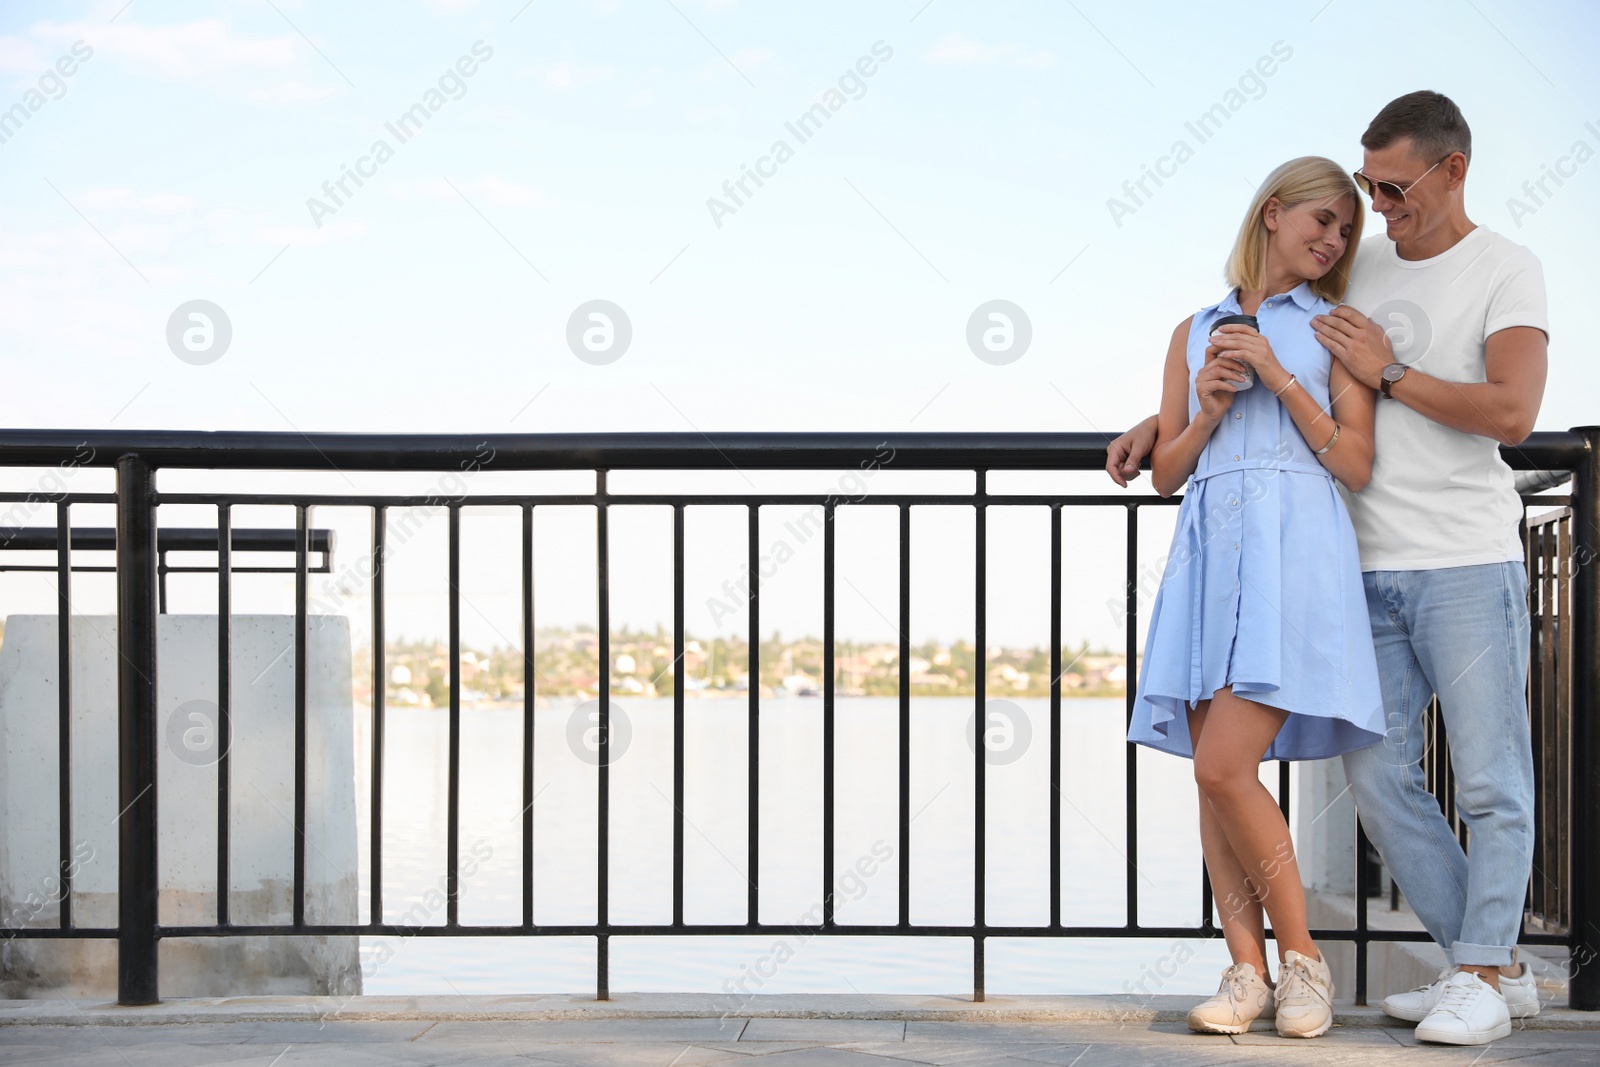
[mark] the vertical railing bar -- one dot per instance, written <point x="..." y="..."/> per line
<point x="161" y="578"/>
<point x="753" y="728"/>
<point x="452" y="845"/>
<point x="528" y="676"/>
<point x="680" y="678"/>
<point x="380" y="681"/>
<point x="827" y="712"/>
<point x="1538" y="657"/>
<point x="64" y="708"/>
<point x="1130" y="756"/>
<point x="224" y="706"/>
<point x="905" y="716"/>
<point x="138" y="978"/>
<point x="1561" y="718"/>
<point x="980" y="725"/>
<point x="603" y="879"/>
<point x="301" y="670"/>
<point x="1362" y="878"/>
<point x="1545" y="734"/>
<point x="1583" y="989"/>
<point x="1283" y="788"/>
<point x="1055" y="715"/>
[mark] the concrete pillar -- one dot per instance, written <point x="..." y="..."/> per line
<point x="261" y="824"/>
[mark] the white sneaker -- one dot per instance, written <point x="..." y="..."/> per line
<point x="1468" y="1013"/>
<point x="1520" y="993"/>
<point x="1304" y="999"/>
<point x="1241" y="999"/>
<point x="1414" y="1006"/>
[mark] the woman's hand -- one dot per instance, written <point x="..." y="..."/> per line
<point x="1245" y="344"/>
<point x="1216" y="382"/>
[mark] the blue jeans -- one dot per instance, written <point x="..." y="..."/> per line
<point x="1460" y="632"/>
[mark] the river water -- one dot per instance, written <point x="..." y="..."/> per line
<point x="790" y="866"/>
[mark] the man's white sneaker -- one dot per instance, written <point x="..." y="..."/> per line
<point x="1414" y="1006"/>
<point x="1241" y="999"/>
<point x="1520" y="993"/>
<point x="1468" y="1013"/>
<point x="1304" y="998"/>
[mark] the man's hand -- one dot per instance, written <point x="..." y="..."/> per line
<point x="1125" y="453"/>
<point x="1357" y="342"/>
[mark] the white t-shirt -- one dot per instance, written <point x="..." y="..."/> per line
<point x="1439" y="497"/>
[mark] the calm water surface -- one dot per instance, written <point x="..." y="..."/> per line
<point x="790" y="865"/>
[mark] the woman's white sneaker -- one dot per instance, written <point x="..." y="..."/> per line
<point x="1241" y="999"/>
<point x="1468" y="1013"/>
<point x="1304" y="1000"/>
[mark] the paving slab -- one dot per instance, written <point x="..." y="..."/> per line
<point x="824" y="1031"/>
<point x="684" y="1030"/>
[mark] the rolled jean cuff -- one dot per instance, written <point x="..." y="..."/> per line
<point x="1465" y="954"/>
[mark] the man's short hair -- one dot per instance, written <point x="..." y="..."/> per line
<point x="1431" y="120"/>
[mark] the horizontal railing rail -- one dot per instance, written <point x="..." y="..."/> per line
<point x="257" y="450"/>
<point x="138" y="455"/>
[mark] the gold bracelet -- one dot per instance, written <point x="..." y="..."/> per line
<point x="1285" y="389"/>
<point x="1331" y="440"/>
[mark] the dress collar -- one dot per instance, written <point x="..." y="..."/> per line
<point x="1301" y="294"/>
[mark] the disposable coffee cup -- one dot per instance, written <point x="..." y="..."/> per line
<point x="1240" y="320"/>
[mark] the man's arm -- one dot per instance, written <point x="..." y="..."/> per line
<point x="1504" y="407"/>
<point x="1125" y="453"/>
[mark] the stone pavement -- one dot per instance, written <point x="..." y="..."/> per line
<point x="683" y="1030"/>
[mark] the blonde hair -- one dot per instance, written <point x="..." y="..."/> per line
<point x="1300" y="180"/>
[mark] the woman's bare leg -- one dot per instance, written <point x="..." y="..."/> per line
<point x="1237" y="905"/>
<point x="1227" y="762"/>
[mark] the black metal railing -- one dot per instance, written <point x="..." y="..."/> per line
<point x="168" y="540"/>
<point x="137" y="456"/>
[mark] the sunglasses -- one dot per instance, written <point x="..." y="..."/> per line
<point x="1390" y="190"/>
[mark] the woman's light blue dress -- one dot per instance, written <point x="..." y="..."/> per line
<point x="1262" y="587"/>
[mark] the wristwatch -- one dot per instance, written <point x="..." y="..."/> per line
<point x="1391" y="374"/>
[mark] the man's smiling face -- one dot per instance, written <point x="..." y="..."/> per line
<point x="1426" y="203"/>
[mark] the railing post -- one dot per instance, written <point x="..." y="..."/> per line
<point x="1583" y="992"/>
<point x="137" y="971"/>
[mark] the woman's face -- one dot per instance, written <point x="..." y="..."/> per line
<point x="1309" y="238"/>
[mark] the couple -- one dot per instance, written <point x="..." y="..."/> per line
<point x="1302" y="619"/>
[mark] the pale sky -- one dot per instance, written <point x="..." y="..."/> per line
<point x="575" y="163"/>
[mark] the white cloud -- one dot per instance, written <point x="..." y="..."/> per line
<point x="565" y="76"/>
<point x="18" y="56"/>
<point x="750" y="58"/>
<point x="291" y="92"/>
<point x="278" y="236"/>
<point x="128" y="200"/>
<point x="956" y="50"/>
<point x="182" y="51"/>
<point x="491" y="189"/>
<point x="745" y="59"/>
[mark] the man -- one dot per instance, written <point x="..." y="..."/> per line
<point x="1461" y="371"/>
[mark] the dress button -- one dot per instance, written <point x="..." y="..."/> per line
<point x="1236" y="546"/>
<point x="1236" y="459"/>
<point x="1238" y="414"/>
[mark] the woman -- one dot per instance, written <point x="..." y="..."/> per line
<point x="1259" y="645"/>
